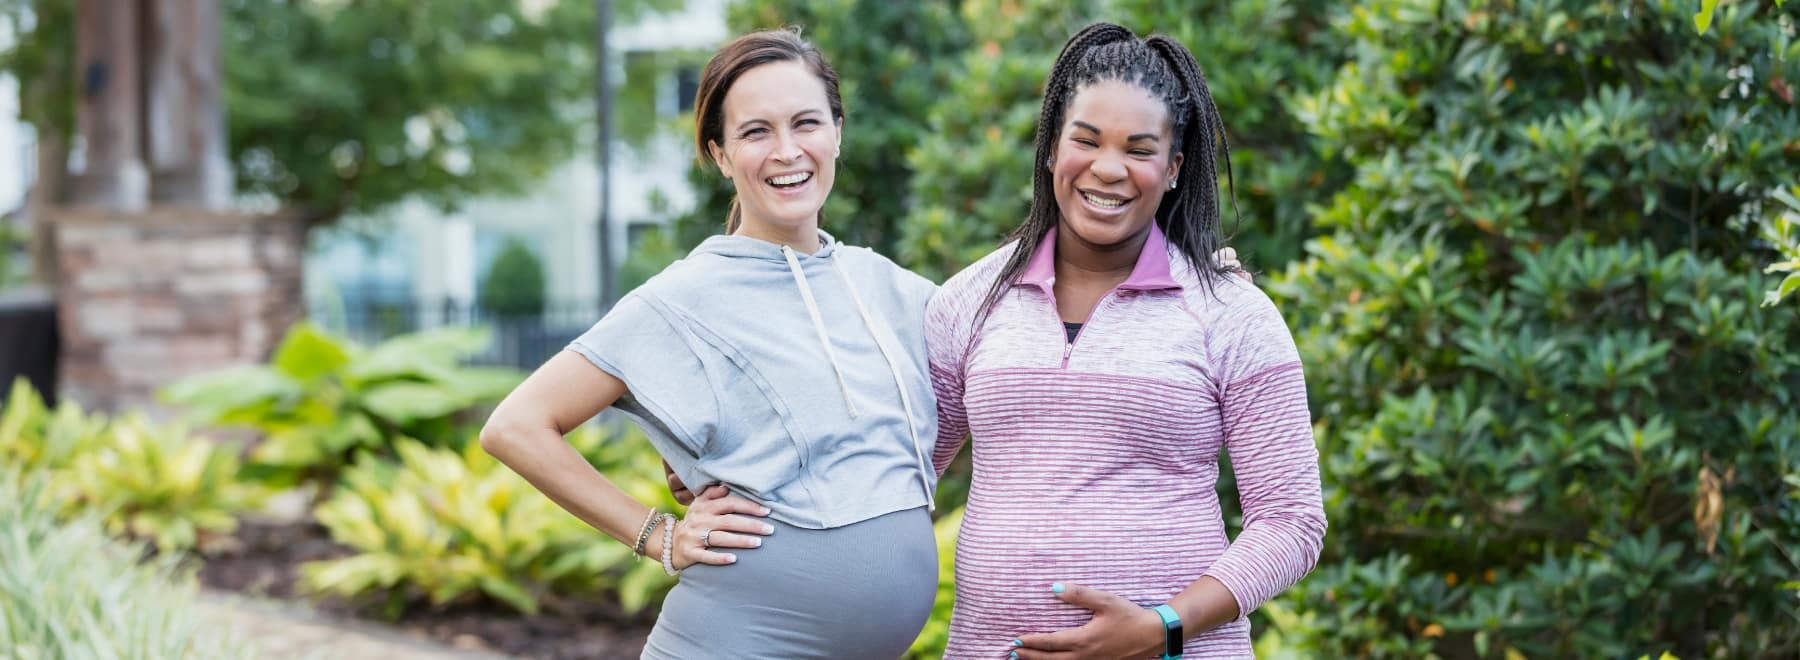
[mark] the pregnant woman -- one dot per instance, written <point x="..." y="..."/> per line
<point x="787" y="368"/>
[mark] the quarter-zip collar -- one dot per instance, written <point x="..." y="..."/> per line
<point x="1151" y="273"/>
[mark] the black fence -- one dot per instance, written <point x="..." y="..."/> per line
<point x="521" y="341"/>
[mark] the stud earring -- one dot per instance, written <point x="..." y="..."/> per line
<point x="1171" y="184"/>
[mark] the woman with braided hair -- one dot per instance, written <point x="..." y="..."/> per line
<point x="1101" y="362"/>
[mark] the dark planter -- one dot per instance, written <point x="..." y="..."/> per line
<point x="29" y="343"/>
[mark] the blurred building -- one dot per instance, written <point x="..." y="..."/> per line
<point x="416" y="266"/>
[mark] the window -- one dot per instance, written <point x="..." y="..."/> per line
<point x="687" y="83"/>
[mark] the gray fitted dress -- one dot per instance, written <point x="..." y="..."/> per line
<point x="845" y="592"/>
<point x="800" y="382"/>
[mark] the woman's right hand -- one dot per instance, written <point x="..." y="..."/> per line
<point x="725" y="521"/>
<point x="677" y="489"/>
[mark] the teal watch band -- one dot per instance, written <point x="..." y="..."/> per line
<point x="1172" y="625"/>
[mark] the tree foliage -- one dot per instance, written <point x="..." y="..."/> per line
<point x="346" y="108"/>
<point x="341" y="108"/>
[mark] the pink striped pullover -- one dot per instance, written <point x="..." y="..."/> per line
<point x="1096" y="461"/>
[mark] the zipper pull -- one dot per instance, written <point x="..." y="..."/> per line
<point x="1067" y="349"/>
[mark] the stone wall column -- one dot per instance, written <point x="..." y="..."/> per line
<point x="148" y="298"/>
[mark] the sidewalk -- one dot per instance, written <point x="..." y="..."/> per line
<point x="283" y="630"/>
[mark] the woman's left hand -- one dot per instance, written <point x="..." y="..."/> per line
<point x="1119" y="629"/>
<point x="718" y="520"/>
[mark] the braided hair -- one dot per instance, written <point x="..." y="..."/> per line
<point x="1189" y="215"/>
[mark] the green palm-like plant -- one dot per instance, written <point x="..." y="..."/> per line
<point x="322" y="399"/>
<point x="162" y="484"/>
<point x="445" y="526"/>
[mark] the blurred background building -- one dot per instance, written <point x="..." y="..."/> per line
<point x="416" y="266"/>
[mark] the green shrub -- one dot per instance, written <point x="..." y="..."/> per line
<point x="1782" y="232"/>
<point x="321" y="399"/>
<point x="443" y="526"/>
<point x="67" y="591"/>
<point x="649" y="255"/>
<point x="514" y="285"/>
<point x="1554" y="420"/>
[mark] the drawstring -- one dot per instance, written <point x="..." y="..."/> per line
<point x="905" y="401"/>
<point x="812" y="308"/>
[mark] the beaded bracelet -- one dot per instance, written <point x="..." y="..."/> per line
<point x="669" y="542"/>
<point x="644" y="535"/>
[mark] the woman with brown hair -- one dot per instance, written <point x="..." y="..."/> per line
<point x="785" y="368"/>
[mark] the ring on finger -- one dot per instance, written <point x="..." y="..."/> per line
<point x="705" y="538"/>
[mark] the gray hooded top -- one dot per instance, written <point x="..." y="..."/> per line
<point x="799" y="381"/>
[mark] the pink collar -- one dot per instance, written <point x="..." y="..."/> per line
<point x="1150" y="274"/>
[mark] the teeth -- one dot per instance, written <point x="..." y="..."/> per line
<point x="790" y="179"/>
<point x="1104" y="202"/>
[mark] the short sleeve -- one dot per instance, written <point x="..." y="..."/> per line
<point x="667" y="391"/>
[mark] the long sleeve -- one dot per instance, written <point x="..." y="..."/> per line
<point x="947" y="337"/>
<point x="1268" y="435"/>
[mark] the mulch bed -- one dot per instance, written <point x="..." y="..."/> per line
<point x="265" y="559"/>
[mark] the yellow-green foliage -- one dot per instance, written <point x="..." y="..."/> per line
<point x="161" y="483"/>
<point x="33" y="436"/>
<point x="157" y="483"/>
<point x="446" y="526"/>
<point x="67" y="591"/>
<point x="936" y="634"/>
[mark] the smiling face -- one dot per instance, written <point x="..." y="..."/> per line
<point x="1113" y="162"/>
<point x="779" y="146"/>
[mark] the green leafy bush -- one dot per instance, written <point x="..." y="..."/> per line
<point x="68" y="591"/>
<point x="1782" y="232"/>
<point x="321" y="399"/>
<point x="445" y="526"/>
<point x="514" y="285"/>
<point x="651" y="253"/>
<point x="1554" y="419"/>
